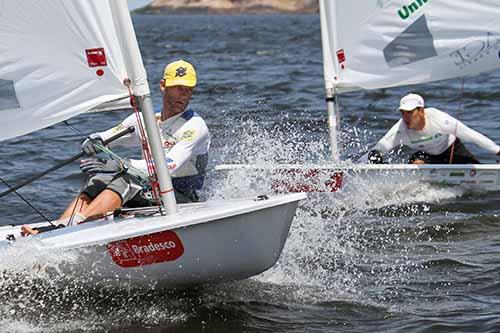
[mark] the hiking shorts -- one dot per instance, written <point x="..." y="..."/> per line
<point x="130" y="191"/>
<point x="461" y="155"/>
<point x="123" y="185"/>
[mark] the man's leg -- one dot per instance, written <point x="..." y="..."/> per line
<point x="78" y="205"/>
<point x="107" y="201"/>
<point x="93" y="187"/>
<point x="84" y="207"/>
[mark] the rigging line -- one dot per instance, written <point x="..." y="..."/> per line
<point x="78" y="199"/>
<point x="460" y="109"/>
<point x="153" y="178"/>
<point x="76" y="130"/>
<point x="107" y="151"/>
<point x="27" y="202"/>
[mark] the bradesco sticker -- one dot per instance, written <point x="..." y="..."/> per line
<point x="146" y="250"/>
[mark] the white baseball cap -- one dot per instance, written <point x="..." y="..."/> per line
<point x="411" y="102"/>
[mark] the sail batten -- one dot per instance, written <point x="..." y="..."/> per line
<point x="378" y="44"/>
<point x="58" y="61"/>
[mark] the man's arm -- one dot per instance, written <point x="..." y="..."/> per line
<point x="126" y="123"/>
<point x="453" y="126"/>
<point x="390" y="140"/>
<point x="89" y="144"/>
<point x="467" y="134"/>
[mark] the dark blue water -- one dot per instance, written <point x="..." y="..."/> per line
<point x="380" y="256"/>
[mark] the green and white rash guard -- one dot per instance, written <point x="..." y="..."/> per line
<point x="439" y="133"/>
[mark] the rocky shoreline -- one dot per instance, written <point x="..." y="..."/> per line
<point x="230" y="7"/>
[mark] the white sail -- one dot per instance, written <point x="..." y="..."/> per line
<point x="58" y="59"/>
<point x="370" y="44"/>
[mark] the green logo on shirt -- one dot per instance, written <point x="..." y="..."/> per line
<point x="424" y="139"/>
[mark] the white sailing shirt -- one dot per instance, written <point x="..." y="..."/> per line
<point x="186" y="141"/>
<point x="439" y="133"/>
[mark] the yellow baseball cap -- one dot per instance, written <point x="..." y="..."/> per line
<point x="179" y="73"/>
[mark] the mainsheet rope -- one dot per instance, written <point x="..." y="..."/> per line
<point x="460" y="109"/>
<point x="27" y="202"/>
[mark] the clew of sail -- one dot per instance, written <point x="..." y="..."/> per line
<point x="376" y="44"/>
<point x="59" y="59"/>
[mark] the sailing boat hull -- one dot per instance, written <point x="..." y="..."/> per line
<point x="243" y="239"/>
<point x="333" y="177"/>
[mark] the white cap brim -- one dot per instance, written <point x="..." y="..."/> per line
<point x="409" y="106"/>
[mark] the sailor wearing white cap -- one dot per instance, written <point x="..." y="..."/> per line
<point x="436" y="136"/>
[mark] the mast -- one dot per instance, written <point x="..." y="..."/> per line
<point x="141" y="91"/>
<point x="333" y="124"/>
<point x="329" y="71"/>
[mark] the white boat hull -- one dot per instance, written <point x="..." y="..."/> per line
<point x="206" y="242"/>
<point x="332" y="177"/>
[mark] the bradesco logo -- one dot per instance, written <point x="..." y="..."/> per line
<point x="406" y="11"/>
<point x="474" y="51"/>
<point x="146" y="250"/>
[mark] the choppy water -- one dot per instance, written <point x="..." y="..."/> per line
<point x="382" y="256"/>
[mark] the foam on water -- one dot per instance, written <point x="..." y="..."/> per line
<point x="326" y="256"/>
<point x="26" y="270"/>
<point x="19" y="326"/>
<point x="22" y="256"/>
<point x="41" y="300"/>
<point x="42" y="290"/>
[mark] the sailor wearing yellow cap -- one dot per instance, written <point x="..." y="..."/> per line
<point x="184" y="134"/>
<point x="186" y="140"/>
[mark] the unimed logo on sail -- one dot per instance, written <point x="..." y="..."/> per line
<point x="146" y="250"/>
<point x="408" y="10"/>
